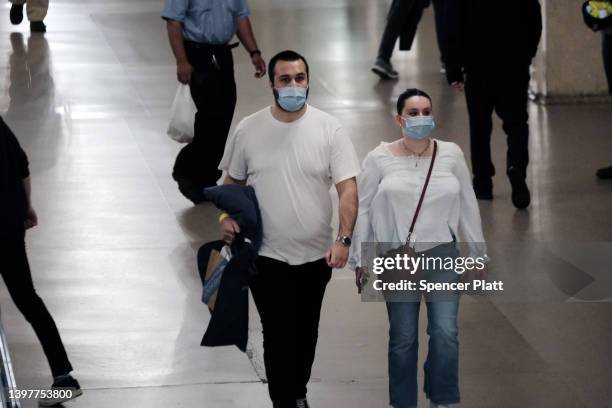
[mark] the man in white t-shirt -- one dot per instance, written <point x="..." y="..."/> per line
<point x="291" y="154"/>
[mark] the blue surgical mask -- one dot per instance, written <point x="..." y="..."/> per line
<point x="291" y="98"/>
<point x="418" y="127"/>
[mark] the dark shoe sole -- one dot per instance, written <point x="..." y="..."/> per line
<point x="483" y="189"/>
<point x="16" y="14"/>
<point x="604" y="173"/>
<point x="57" y="401"/>
<point x="383" y="74"/>
<point x="521" y="197"/>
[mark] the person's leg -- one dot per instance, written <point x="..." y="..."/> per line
<point x="16" y="273"/>
<point x="273" y="296"/>
<point x="440" y="15"/>
<point x="511" y="106"/>
<point x="312" y="281"/>
<point x="213" y="89"/>
<point x="37" y="10"/>
<point x="480" y="109"/>
<point x="395" y="19"/>
<point x="403" y="353"/>
<point x="442" y="364"/>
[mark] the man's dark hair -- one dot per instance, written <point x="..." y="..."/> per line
<point x="407" y="94"/>
<point x="285" y="56"/>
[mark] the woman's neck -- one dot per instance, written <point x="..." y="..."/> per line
<point x="413" y="146"/>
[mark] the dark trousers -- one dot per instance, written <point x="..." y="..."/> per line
<point x="16" y="274"/>
<point x="289" y="300"/>
<point x="506" y="93"/>
<point x="606" y="49"/>
<point x="213" y="89"/>
<point x="403" y="20"/>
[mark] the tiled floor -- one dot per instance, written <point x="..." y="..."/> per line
<point x="113" y="256"/>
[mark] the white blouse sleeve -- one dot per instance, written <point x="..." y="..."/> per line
<point x="368" y="181"/>
<point x="470" y="222"/>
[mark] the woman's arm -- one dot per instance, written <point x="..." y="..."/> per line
<point x="368" y="182"/>
<point x="470" y="222"/>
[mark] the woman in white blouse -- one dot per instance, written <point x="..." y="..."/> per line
<point x="390" y="187"/>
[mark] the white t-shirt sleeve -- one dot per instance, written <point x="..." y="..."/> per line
<point x="234" y="158"/>
<point x="343" y="161"/>
<point x="470" y="222"/>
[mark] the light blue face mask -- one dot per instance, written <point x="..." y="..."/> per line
<point x="291" y="98"/>
<point x="418" y="127"/>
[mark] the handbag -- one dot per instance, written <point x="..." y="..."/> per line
<point x="394" y="275"/>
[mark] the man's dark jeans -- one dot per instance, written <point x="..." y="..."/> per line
<point x="506" y="93"/>
<point x="16" y="274"/>
<point x="213" y="89"/>
<point x="289" y="300"/>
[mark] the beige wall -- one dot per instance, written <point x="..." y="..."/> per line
<point x="568" y="67"/>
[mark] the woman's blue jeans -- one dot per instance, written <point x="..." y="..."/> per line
<point x="442" y="364"/>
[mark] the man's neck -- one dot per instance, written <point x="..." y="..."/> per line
<point x="287" y="117"/>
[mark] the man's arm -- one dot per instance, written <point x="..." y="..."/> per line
<point x="175" y="36"/>
<point x="31" y="216"/>
<point x="229" y="226"/>
<point x="337" y="256"/>
<point x="347" y="192"/>
<point x="247" y="38"/>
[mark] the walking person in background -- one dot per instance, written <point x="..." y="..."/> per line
<point x="16" y="216"/>
<point x="200" y="33"/>
<point x="402" y="22"/>
<point x="391" y="187"/>
<point x="292" y="153"/>
<point x="36" y="10"/>
<point x="491" y="55"/>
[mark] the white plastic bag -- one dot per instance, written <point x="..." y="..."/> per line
<point x="183" y="116"/>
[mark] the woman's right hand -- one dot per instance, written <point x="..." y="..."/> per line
<point x="229" y="229"/>
<point x="360" y="272"/>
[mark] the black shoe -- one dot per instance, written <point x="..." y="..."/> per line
<point x="301" y="403"/>
<point x="521" y="198"/>
<point x="605" y="173"/>
<point x="384" y="69"/>
<point x="16" y="14"/>
<point x="38" y="27"/>
<point x="62" y="390"/>
<point x="483" y="187"/>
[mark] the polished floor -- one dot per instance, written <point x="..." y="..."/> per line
<point x="114" y="257"/>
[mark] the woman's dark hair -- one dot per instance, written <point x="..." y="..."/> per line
<point x="285" y="56"/>
<point x="407" y="94"/>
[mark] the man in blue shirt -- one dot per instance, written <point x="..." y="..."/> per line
<point x="199" y="32"/>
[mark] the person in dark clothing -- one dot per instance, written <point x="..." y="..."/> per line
<point x="402" y="23"/>
<point x="17" y="215"/>
<point x="199" y="34"/>
<point x="492" y="55"/>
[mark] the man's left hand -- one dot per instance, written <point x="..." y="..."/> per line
<point x="259" y="64"/>
<point x="337" y="255"/>
<point x="31" y="219"/>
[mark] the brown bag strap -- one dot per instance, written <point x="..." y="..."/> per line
<point x="416" y="213"/>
